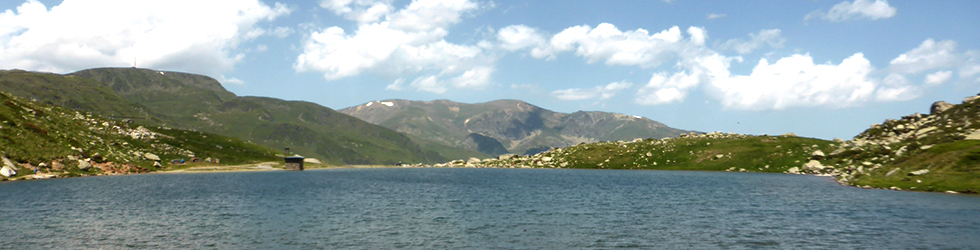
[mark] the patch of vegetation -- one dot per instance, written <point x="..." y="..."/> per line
<point x="59" y="141"/>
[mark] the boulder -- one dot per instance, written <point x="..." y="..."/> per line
<point x="84" y="165"/>
<point x="893" y="171"/>
<point x="719" y="156"/>
<point x="973" y="136"/>
<point x="57" y="166"/>
<point x="793" y="170"/>
<point x="919" y="172"/>
<point x="473" y="160"/>
<point x="788" y="135"/>
<point x="7" y="171"/>
<point x="8" y="163"/>
<point x="813" y="165"/>
<point x="156" y="164"/>
<point x="151" y="157"/>
<point x="506" y="156"/>
<point x="817" y="155"/>
<point x="546" y="159"/>
<point x="971" y="99"/>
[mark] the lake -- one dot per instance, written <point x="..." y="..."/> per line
<point x="478" y="209"/>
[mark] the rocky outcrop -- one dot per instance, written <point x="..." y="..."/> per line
<point x="938" y="107"/>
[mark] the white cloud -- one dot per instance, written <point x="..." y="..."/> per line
<point x="282" y="32"/>
<point x="772" y="37"/>
<point x="796" y="81"/>
<point x="605" y="43"/>
<point x="599" y="92"/>
<point x="874" y="10"/>
<point x="716" y="16"/>
<point x="938" y="78"/>
<point x="929" y="55"/>
<point x="517" y="37"/>
<point x="409" y="42"/>
<point x="167" y="35"/>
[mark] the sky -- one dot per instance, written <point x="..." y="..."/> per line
<point x="817" y="68"/>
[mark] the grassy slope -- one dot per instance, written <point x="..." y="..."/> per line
<point x="953" y="163"/>
<point x="33" y="133"/>
<point x="701" y="152"/>
<point x="899" y="147"/>
<point x="200" y="103"/>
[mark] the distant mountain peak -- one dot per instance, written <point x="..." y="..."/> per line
<point x="519" y="126"/>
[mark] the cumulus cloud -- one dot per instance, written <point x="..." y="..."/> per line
<point x="80" y="34"/>
<point x="796" y="81"/>
<point x="409" y="42"/>
<point x="792" y="81"/>
<point x="772" y="37"/>
<point x="599" y="92"/>
<point x="939" y="77"/>
<point x="874" y="10"/>
<point x="929" y="55"/>
<point x="607" y="44"/>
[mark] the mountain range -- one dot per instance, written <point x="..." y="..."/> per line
<point x="199" y="103"/>
<point x="505" y="126"/>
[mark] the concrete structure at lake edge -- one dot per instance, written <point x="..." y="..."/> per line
<point x="294" y="163"/>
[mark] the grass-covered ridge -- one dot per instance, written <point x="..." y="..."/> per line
<point x="193" y="102"/>
<point x="708" y="152"/>
<point x="64" y="142"/>
<point x="938" y="152"/>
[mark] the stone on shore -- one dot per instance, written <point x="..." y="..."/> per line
<point x="7" y="171"/>
<point x="506" y="156"/>
<point x="793" y="170"/>
<point x="84" y="165"/>
<point x="813" y="165"/>
<point x="8" y="163"/>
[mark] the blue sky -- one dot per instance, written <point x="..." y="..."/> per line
<point x="823" y="68"/>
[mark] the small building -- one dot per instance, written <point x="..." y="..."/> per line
<point x="294" y="163"/>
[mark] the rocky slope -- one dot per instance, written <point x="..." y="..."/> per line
<point x="935" y="152"/>
<point x="200" y="103"/>
<point x="63" y="142"/>
<point x="516" y="126"/>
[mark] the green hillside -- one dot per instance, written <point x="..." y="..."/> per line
<point x="194" y="102"/>
<point x="937" y="152"/>
<point x="64" y="142"/>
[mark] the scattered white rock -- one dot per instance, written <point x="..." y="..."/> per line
<point x="813" y="165"/>
<point x="84" y="165"/>
<point x="919" y="172"/>
<point x="817" y="155"/>
<point x="793" y="170"/>
<point x="7" y="171"/>
<point x="893" y="171"/>
<point x="151" y="157"/>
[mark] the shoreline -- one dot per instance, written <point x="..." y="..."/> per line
<point x="275" y="166"/>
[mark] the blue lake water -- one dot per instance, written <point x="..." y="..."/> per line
<point x="478" y="209"/>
